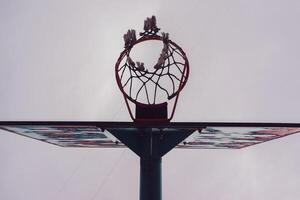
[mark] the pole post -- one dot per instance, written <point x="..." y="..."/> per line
<point x="151" y="144"/>
<point x="150" y="166"/>
<point x="150" y="179"/>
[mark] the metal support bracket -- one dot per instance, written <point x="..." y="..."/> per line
<point x="150" y="144"/>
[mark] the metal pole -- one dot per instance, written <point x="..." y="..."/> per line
<point x="150" y="166"/>
<point x="150" y="178"/>
<point x="151" y="145"/>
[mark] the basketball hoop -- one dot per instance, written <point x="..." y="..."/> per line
<point x="150" y="88"/>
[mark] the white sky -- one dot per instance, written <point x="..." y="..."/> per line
<point x="57" y="63"/>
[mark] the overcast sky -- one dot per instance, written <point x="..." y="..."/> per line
<point x="57" y="63"/>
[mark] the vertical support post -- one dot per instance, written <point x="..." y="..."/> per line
<point x="151" y="144"/>
<point x="150" y="179"/>
<point x="150" y="166"/>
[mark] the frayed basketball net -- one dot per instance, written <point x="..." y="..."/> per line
<point x="167" y="77"/>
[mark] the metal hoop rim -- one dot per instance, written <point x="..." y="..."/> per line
<point x="148" y="38"/>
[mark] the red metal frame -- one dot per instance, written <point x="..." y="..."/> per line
<point x="184" y="77"/>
